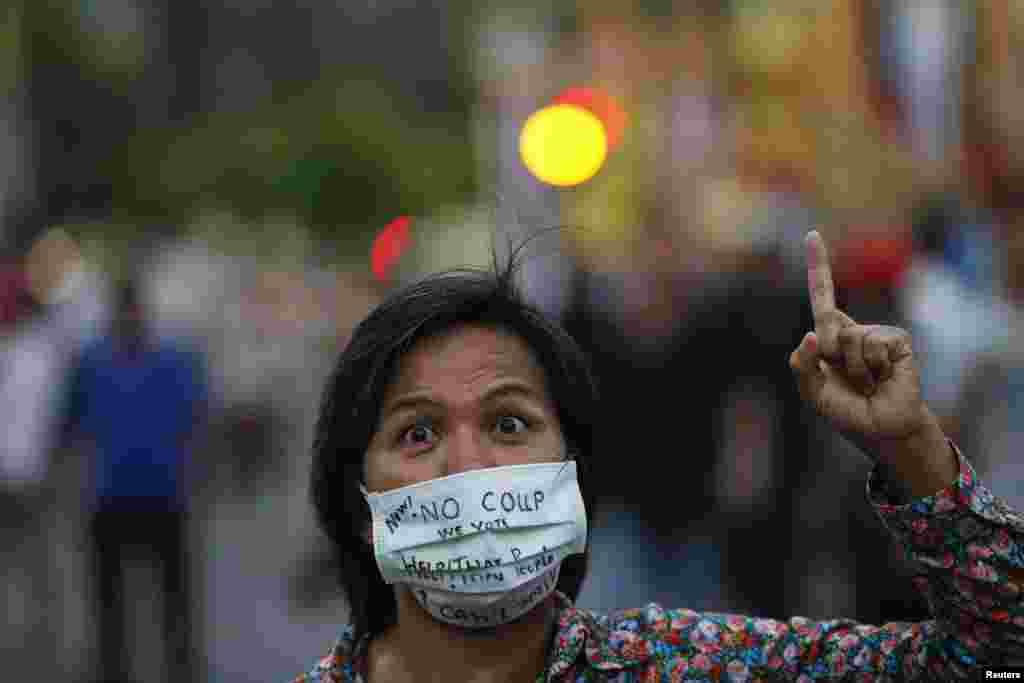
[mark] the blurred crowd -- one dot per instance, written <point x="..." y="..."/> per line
<point x="157" y="381"/>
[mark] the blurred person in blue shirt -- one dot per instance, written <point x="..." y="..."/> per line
<point x="138" y="402"/>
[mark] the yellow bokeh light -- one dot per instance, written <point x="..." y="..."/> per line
<point x="563" y="145"/>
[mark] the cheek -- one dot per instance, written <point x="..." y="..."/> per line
<point x="375" y="474"/>
<point x="385" y="471"/>
<point x="373" y="469"/>
<point x="548" y="447"/>
<point x="379" y="466"/>
<point x="555" y="442"/>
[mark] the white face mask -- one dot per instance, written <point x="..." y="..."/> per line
<point x="483" y="547"/>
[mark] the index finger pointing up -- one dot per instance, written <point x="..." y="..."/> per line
<point x="828" y="320"/>
<point x="819" y="279"/>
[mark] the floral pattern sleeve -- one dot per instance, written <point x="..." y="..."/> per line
<point x="341" y="665"/>
<point x="964" y="539"/>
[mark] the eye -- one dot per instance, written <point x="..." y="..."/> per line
<point x="419" y="434"/>
<point x="510" y="425"/>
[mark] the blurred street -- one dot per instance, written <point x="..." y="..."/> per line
<point x="249" y="621"/>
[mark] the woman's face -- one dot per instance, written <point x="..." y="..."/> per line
<point x="470" y="398"/>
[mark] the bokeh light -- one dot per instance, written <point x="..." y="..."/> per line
<point x="563" y="145"/>
<point x="603" y="106"/>
<point x="388" y="247"/>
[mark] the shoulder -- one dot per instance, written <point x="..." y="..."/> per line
<point x="178" y="355"/>
<point x="91" y="355"/>
<point x="337" y="666"/>
<point x="177" y="348"/>
<point x="94" y="349"/>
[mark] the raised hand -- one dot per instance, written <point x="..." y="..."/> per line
<point x="862" y="378"/>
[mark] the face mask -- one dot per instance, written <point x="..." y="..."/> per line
<point x="480" y="548"/>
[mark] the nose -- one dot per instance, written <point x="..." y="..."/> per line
<point x="467" y="449"/>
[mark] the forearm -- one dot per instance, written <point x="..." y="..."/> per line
<point x="923" y="464"/>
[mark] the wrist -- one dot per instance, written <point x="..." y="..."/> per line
<point x="923" y="463"/>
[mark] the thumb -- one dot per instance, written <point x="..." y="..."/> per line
<point x="805" y="362"/>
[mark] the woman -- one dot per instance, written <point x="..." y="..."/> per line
<point x="449" y="473"/>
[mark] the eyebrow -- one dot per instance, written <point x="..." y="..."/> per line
<point x="419" y="398"/>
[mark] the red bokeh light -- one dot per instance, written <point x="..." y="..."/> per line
<point x="877" y="262"/>
<point x="388" y="247"/>
<point x="603" y="106"/>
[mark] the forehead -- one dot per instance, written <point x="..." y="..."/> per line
<point x="466" y="355"/>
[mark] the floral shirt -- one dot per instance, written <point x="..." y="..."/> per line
<point x="963" y="538"/>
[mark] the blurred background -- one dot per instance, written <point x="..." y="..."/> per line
<point x="200" y="199"/>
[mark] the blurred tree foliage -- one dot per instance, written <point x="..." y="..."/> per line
<point x="11" y="62"/>
<point x="343" y="149"/>
<point x="345" y="156"/>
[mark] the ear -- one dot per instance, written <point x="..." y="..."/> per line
<point x="368" y="534"/>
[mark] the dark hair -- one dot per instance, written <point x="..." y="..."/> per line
<point x="352" y="400"/>
<point x="127" y="296"/>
